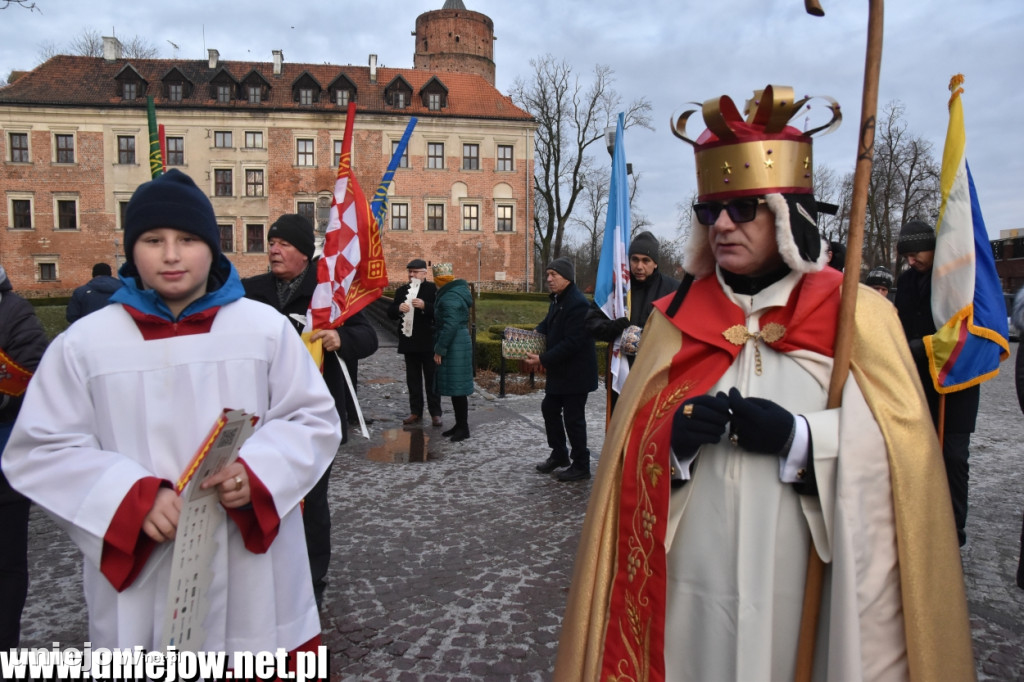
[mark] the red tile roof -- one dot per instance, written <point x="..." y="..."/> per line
<point x="90" y="81"/>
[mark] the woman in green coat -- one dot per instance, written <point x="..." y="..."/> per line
<point x="453" y="349"/>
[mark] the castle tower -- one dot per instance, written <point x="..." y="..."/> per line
<point x="454" y="39"/>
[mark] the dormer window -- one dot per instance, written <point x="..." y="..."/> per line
<point x="130" y="91"/>
<point x="223" y="93"/>
<point x="255" y="94"/>
<point x="434" y="95"/>
<point x="174" y="92"/>
<point x="400" y="100"/>
<point x="342" y="97"/>
<point x="398" y="93"/>
<point x="434" y="101"/>
<point x="342" y="91"/>
<point x="176" y="86"/>
<point x="306" y="96"/>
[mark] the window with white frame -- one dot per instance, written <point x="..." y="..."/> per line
<point x="17" y="143"/>
<point x="399" y="217"/>
<point x="223" y="93"/>
<point x="342" y="97"/>
<point x="175" y="151"/>
<point x="255" y="94"/>
<point x="435" y="217"/>
<point x="66" y="211"/>
<point x="126" y="149"/>
<point x="254" y="238"/>
<point x="435" y="155"/>
<point x="470" y="157"/>
<point x="223" y="182"/>
<point x="64" y="143"/>
<point x="175" y="91"/>
<point x="306" y="96"/>
<point x="434" y="101"/>
<point x="504" y="214"/>
<point x="304" y="152"/>
<point x="130" y="90"/>
<point x="254" y="182"/>
<point x="227" y="238"/>
<point x="19" y="208"/>
<point x="471" y="217"/>
<point x="505" y="157"/>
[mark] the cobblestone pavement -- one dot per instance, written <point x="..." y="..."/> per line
<point x="452" y="560"/>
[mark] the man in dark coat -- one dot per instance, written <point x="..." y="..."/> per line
<point x="288" y="287"/>
<point x="23" y="340"/>
<point x="916" y="244"/>
<point x="94" y="294"/>
<point x="418" y="345"/>
<point x="646" y="285"/>
<point x="570" y="361"/>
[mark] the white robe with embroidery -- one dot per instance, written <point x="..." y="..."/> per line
<point x="106" y="409"/>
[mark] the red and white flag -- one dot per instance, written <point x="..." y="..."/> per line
<point x="351" y="272"/>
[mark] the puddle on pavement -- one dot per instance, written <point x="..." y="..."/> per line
<point x="401" y="446"/>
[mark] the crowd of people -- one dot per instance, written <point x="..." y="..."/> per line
<point x="726" y="469"/>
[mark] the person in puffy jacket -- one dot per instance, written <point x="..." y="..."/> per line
<point x="92" y="295"/>
<point x="453" y="349"/>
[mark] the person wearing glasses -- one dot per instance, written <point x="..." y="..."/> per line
<point x="723" y="468"/>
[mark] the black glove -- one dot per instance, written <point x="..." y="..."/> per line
<point x="760" y="425"/>
<point x="705" y="423"/>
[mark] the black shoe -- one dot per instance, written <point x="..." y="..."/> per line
<point x="575" y="473"/>
<point x="450" y="431"/>
<point x="460" y="433"/>
<point x="550" y="464"/>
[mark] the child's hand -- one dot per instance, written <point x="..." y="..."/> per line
<point x="161" y="522"/>
<point x="232" y="485"/>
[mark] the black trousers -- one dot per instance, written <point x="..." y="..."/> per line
<point x="955" y="451"/>
<point x="565" y="415"/>
<point x="419" y="373"/>
<point x="316" y="520"/>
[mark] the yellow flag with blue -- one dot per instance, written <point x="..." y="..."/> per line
<point x="967" y="299"/>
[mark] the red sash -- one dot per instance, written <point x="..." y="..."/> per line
<point x="13" y="377"/>
<point x="635" y="631"/>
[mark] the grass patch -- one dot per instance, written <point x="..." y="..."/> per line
<point x="52" y="317"/>
<point x="491" y="312"/>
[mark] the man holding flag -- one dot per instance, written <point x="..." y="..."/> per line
<point x="288" y="288"/>
<point x="951" y="306"/>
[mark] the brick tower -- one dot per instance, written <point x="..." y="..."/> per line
<point x="454" y="39"/>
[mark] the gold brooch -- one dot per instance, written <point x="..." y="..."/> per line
<point x="739" y="335"/>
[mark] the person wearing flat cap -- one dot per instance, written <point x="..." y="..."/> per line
<point x="646" y="285"/>
<point x="122" y="401"/>
<point x="724" y="467"/>
<point x="916" y="244"/>
<point x="570" y="361"/>
<point x="416" y="341"/>
<point x="288" y="288"/>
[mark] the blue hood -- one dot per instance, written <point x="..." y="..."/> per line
<point x="223" y="286"/>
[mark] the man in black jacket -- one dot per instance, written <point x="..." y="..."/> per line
<point x="570" y="361"/>
<point x="288" y="287"/>
<point x="417" y="343"/>
<point x="22" y="340"/>
<point x="916" y="244"/>
<point x="646" y="285"/>
<point x="94" y="294"/>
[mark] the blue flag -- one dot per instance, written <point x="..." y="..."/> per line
<point x="379" y="203"/>
<point x="611" y="291"/>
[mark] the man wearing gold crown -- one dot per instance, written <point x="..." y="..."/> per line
<point x="722" y="467"/>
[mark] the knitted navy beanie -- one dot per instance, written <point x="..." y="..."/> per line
<point x="171" y="200"/>
<point x="644" y="244"/>
<point x="915" y="236"/>
<point x="564" y="267"/>
<point x="296" y="230"/>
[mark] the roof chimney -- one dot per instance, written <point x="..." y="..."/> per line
<point x="111" y="48"/>
<point x="373" y="68"/>
<point x="278" y="60"/>
<point x="214" y="56"/>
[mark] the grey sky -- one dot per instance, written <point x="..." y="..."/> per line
<point x="670" y="52"/>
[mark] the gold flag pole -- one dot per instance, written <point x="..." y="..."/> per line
<point x="851" y="278"/>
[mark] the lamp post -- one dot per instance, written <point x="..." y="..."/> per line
<point x="479" y="249"/>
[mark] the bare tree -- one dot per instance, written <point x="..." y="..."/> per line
<point x="571" y="117"/>
<point x="591" y="220"/>
<point x="27" y="4"/>
<point x="904" y="185"/>
<point x="89" y="43"/>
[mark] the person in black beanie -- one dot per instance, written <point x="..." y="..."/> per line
<point x="94" y="294"/>
<point x="417" y="343"/>
<point x="570" y="361"/>
<point x="916" y="244"/>
<point x="646" y="285"/>
<point x="288" y="288"/>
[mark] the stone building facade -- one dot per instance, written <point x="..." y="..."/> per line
<point x="263" y="138"/>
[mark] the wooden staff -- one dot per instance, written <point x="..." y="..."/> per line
<point x="851" y="278"/>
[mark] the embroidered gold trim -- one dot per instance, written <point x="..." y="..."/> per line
<point x="739" y="335"/>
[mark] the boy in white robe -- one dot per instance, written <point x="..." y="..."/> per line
<point x="123" y="398"/>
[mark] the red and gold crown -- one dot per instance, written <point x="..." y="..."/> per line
<point x="759" y="155"/>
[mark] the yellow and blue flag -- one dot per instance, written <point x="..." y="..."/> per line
<point x="967" y="298"/>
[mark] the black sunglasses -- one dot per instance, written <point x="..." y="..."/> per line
<point x="741" y="210"/>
